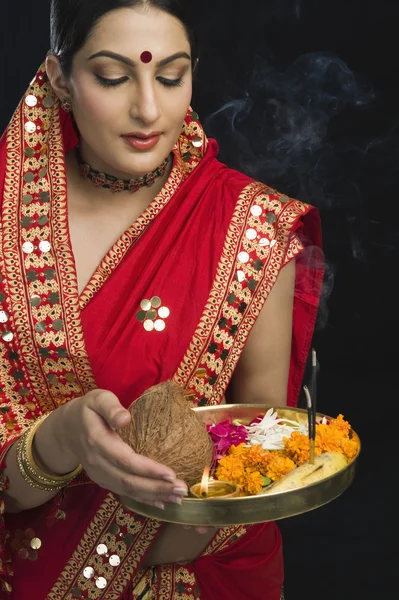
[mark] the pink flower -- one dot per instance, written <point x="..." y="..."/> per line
<point x="226" y="434"/>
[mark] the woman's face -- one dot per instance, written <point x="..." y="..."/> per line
<point x="119" y="100"/>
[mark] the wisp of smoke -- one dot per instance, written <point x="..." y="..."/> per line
<point x="279" y="132"/>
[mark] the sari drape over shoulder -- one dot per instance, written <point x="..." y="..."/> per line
<point x="174" y="299"/>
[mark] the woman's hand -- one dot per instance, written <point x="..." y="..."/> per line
<point x="87" y="435"/>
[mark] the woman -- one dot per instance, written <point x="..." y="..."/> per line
<point x="131" y="256"/>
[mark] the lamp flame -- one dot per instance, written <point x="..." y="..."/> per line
<point x="205" y="482"/>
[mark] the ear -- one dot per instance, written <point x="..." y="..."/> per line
<point x="56" y="77"/>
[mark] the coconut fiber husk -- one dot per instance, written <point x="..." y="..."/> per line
<point x="166" y="429"/>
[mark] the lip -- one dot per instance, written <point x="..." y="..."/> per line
<point x="144" y="136"/>
<point x="142" y="141"/>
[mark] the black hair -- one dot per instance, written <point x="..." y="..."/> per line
<point x="72" y="21"/>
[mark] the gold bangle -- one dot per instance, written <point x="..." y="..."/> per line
<point x="30" y="470"/>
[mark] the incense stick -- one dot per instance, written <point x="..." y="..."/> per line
<point x="313" y="389"/>
<point x="311" y="425"/>
<point x="311" y="398"/>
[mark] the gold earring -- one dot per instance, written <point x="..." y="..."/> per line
<point x="66" y="105"/>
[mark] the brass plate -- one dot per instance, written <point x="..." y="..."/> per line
<point x="223" y="512"/>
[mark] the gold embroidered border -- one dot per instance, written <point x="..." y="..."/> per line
<point x="264" y="235"/>
<point x="287" y="214"/>
<point x="19" y="317"/>
<point x="202" y="336"/>
<point x="68" y="288"/>
<point x="176" y="582"/>
<point x="143" y="532"/>
<point x="186" y="159"/>
<point x="224" y="538"/>
<point x="12" y="412"/>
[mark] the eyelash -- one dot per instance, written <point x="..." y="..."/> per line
<point x="108" y="83"/>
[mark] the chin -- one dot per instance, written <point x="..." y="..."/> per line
<point x="138" y="166"/>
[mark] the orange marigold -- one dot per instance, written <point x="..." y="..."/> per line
<point x="278" y="466"/>
<point x="297" y="448"/>
<point x="239" y="450"/>
<point x="349" y="448"/>
<point x="251" y="482"/>
<point x="328" y="438"/>
<point x="230" y="468"/>
<point x="248" y="465"/>
<point x="253" y="456"/>
<point x="341" y="424"/>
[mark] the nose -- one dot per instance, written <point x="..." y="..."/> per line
<point x="145" y="104"/>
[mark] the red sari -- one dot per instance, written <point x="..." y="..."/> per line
<point x="205" y="253"/>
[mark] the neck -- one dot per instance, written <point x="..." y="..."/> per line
<point x="93" y="198"/>
<point x="99" y="165"/>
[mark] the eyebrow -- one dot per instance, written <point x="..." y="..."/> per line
<point x="131" y="63"/>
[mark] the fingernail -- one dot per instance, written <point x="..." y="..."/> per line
<point x="202" y="530"/>
<point x="169" y="478"/>
<point x="176" y="500"/>
<point x="180" y="491"/>
<point x="159" y="505"/>
<point x="121" y="415"/>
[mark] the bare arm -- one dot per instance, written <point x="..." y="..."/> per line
<point x="261" y="375"/>
<point x="83" y="432"/>
<point x="48" y="451"/>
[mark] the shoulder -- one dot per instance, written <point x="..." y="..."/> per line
<point x="256" y="203"/>
<point x="241" y="189"/>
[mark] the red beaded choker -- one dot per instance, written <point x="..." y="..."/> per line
<point x="119" y="185"/>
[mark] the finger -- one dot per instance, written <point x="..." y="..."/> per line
<point x="150" y="502"/>
<point x="142" y="487"/>
<point x="202" y="530"/>
<point x="108" y="406"/>
<point x="108" y="444"/>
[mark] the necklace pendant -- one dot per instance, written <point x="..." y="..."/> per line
<point x="117" y="186"/>
<point x="85" y="170"/>
<point x="150" y="179"/>
<point x="99" y="181"/>
<point x="133" y="186"/>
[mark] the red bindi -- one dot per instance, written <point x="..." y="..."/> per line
<point x="146" y="57"/>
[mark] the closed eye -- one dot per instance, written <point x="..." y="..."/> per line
<point x="170" y="82"/>
<point x="107" y="83"/>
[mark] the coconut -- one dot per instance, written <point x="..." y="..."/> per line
<point x="166" y="429"/>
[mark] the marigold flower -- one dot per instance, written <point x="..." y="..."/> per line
<point x="247" y="466"/>
<point x="341" y="424"/>
<point x="278" y="466"/>
<point x="297" y="448"/>
<point x="251" y="482"/>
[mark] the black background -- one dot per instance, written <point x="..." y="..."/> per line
<point x="313" y="87"/>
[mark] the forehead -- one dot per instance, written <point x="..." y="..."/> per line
<point x="129" y="31"/>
